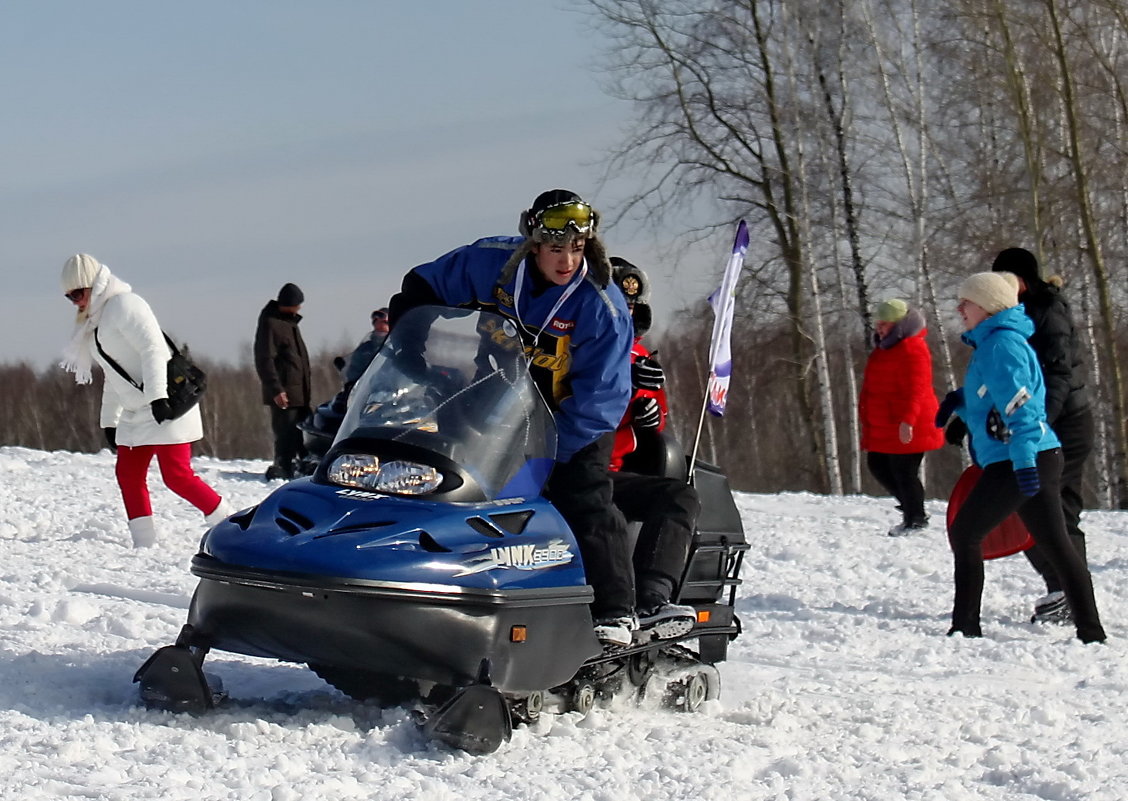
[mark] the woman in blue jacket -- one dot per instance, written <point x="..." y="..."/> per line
<point x="1003" y="402"/>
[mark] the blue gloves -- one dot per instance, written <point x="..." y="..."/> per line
<point x="952" y="401"/>
<point x="161" y="412"/>
<point x="1028" y="482"/>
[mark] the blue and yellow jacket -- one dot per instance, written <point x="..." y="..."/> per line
<point x="580" y="358"/>
<point x="1004" y="384"/>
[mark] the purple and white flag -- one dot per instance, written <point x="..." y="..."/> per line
<point x="723" y="302"/>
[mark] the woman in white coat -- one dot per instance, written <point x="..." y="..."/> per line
<point x="112" y="321"/>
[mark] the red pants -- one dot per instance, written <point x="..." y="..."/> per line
<point x="176" y="471"/>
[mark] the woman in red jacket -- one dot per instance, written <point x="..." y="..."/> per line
<point x="896" y="409"/>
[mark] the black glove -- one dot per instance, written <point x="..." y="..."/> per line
<point x="646" y="413"/>
<point x="997" y="427"/>
<point x="955" y="432"/>
<point x="111" y="438"/>
<point x="646" y="373"/>
<point x="161" y="412"/>
<point x="1028" y="482"/>
<point x="951" y="402"/>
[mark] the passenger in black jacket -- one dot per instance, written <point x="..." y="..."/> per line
<point x="282" y="363"/>
<point x="1058" y="347"/>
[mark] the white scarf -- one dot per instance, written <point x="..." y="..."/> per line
<point x="77" y="357"/>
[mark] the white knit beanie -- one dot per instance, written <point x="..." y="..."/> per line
<point x="79" y="272"/>
<point x="992" y="292"/>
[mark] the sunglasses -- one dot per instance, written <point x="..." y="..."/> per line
<point x="379" y="315"/>
<point x="559" y="218"/>
<point x="75" y="295"/>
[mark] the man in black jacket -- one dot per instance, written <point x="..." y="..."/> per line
<point x="1058" y="347"/>
<point x="282" y="363"/>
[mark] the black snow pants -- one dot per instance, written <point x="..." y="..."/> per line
<point x="667" y="509"/>
<point x="580" y="489"/>
<point x="1076" y="431"/>
<point x="992" y="499"/>
<point x="288" y="444"/>
<point x="899" y="475"/>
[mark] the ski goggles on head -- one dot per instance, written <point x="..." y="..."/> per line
<point x="572" y="217"/>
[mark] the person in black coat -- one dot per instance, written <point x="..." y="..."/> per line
<point x="1068" y="411"/>
<point x="282" y="364"/>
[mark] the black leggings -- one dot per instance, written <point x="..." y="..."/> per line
<point x="899" y="474"/>
<point x="991" y="500"/>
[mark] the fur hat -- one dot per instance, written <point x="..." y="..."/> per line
<point x="79" y="272"/>
<point x="632" y="280"/>
<point x="1021" y="262"/>
<point x="290" y="295"/>
<point x="992" y="292"/>
<point x="892" y="310"/>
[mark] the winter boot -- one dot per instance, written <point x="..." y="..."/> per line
<point x="667" y="620"/>
<point x="143" y="531"/>
<point x="219" y="513"/>
<point x="909" y="527"/>
<point x="1052" y="608"/>
<point x="615" y="631"/>
<point x="279" y="471"/>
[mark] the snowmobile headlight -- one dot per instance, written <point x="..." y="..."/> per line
<point x="364" y="471"/>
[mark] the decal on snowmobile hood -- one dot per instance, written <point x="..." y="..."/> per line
<point x="520" y="557"/>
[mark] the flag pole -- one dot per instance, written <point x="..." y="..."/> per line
<point x="697" y="436"/>
<point x="723" y="302"/>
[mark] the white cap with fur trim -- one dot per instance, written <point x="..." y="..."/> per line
<point x="992" y="292"/>
<point x="79" y="272"/>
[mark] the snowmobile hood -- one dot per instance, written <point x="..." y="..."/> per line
<point x="325" y="530"/>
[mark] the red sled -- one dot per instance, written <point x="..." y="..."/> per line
<point x="1007" y="538"/>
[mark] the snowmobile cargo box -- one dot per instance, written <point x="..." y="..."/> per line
<point x="718" y="544"/>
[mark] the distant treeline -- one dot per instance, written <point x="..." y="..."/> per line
<point x="45" y="409"/>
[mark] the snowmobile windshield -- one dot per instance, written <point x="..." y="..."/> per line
<point x="455" y="382"/>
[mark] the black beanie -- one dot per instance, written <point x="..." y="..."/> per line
<point x="290" y="295"/>
<point x="1020" y="262"/>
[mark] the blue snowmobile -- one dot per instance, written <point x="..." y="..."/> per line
<point x="421" y="565"/>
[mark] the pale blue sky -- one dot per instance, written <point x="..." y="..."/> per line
<point x="211" y="151"/>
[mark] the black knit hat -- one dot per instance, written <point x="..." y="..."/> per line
<point x="290" y="295"/>
<point x="1020" y="262"/>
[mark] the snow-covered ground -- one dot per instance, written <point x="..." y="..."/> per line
<point x="843" y="685"/>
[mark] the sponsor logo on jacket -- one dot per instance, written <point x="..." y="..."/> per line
<point x="532" y="556"/>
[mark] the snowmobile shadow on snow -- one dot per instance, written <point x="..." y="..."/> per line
<point x="421" y="566"/>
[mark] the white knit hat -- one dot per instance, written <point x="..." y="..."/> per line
<point x="992" y="292"/>
<point x="79" y="272"/>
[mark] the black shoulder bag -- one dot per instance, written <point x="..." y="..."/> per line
<point x="186" y="381"/>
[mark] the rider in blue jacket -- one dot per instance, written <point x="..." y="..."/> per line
<point x="1003" y="402"/>
<point x="553" y="282"/>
